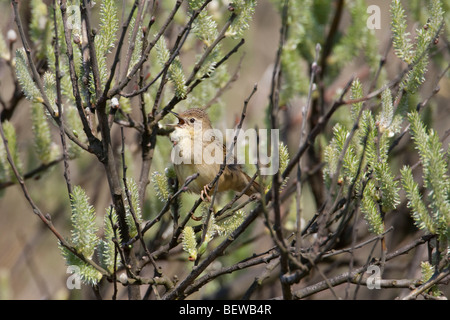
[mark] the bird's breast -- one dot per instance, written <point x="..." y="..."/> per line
<point x="206" y="174"/>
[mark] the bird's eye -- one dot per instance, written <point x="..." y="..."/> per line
<point x="192" y="120"/>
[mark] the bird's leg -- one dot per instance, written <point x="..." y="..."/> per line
<point x="205" y="192"/>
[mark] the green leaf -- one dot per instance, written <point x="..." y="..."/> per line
<point x="427" y="273"/>
<point x="436" y="179"/>
<point x="84" y="229"/>
<point x="39" y="28"/>
<point x="106" y="37"/>
<point x="419" y="212"/>
<point x="26" y="82"/>
<point x="356" y="93"/>
<point x="87" y="273"/>
<point x="195" y="4"/>
<point x="10" y="135"/>
<point x="402" y="43"/>
<point x="370" y="210"/>
<point x="190" y="243"/>
<point x="161" y="186"/>
<point x="227" y="226"/>
<point x="283" y="162"/>
<point x="109" y="24"/>
<point x="106" y="249"/>
<point x="205" y="28"/>
<point x="6" y="171"/>
<point x="175" y="72"/>
<point x="387" y="185"/>
<point x="386" y="116"/>
<point x="244" y="10"/>
<point x="358" y="38"/>
<point x="134" y="192"/>
<point x="137" y="50"/>
<point x="49" y="83"/>
<point x="46" y="150"/>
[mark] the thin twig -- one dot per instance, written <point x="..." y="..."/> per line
<point x="136" y="27"/>
<point x="171" y="198"/>
<point x="116" y="252"/>
<point x="59" y="105"/>
<point x="85" y="15"/>
<point x="209" y="49"/>
<point x="305" y="112"/>
<point x="316" y="130"/>
<point x="34" y="173"/>
<point x="355" y="275"/>
<point x="130" y="202"/>
<point x="93" y="141"/>
<point x="438" y="276"/>
<point x="220" y="92"/>
<point x="117" y="89"/>
<point x="117" y="55"/>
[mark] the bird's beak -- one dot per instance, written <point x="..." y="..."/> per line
<point x="181" y="120"/>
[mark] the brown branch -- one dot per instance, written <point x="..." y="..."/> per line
<point x="298" y="183"/>
<point x="34" y="73"/>
<point x="118" y="87"/>
<point x="137" y="26"/>
<point x="330" y="40"/>
<point x="10" y="107"/>
<point x="85" y="15"/>
<point x="59" y="105"/>
<point x="275" y="190"/>
<point x="316" y="130"/>
<point x="227" y="86"/>
<point x="209" y="49"/>
<point x="34" y="173"/>
<point x="246" y="263"/>
<point x="438" y="276"/>
<point x="130" y="203"/>
<point x="179" y="290"/>
<point x="355" y="275"/>
<point x="93" y="141"/>
<point x="117" y="55"/>
<point x="171" y="198"/>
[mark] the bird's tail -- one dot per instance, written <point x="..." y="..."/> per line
<point x="254" y="188"/>
<point x="238" y="180"/>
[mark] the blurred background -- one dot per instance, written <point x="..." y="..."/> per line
<point x="31" y="266"/>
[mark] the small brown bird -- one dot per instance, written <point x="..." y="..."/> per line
<point x="198" y="149"/>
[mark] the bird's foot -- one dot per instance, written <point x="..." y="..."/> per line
<point x="205" y="193"/>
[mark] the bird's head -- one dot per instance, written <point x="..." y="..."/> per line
<point x="191" y="118"/>
<point x="190" y="122"/>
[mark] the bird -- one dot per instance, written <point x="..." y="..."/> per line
<point x="192" y="132"/>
